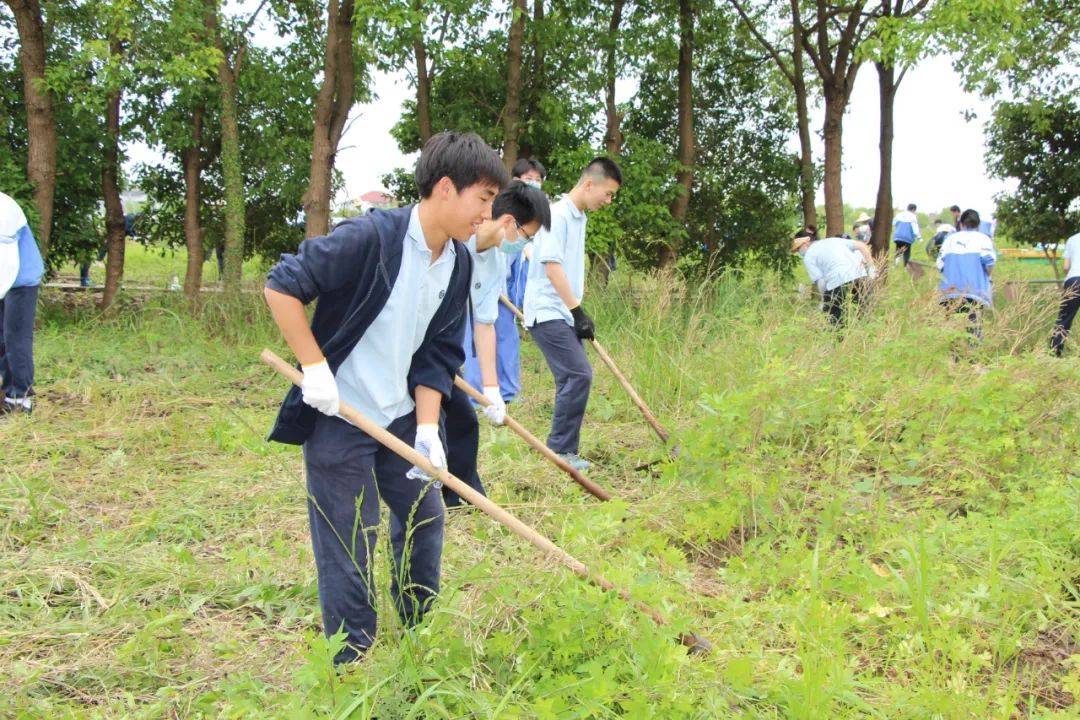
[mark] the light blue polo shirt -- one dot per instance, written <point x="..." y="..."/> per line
<point x="835" y="260"/>
<point x="564" y="243"/>
<point x="488" y="282"/>
<point x="374" y="377"/>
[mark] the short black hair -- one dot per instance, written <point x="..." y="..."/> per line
<point x="911" y="207"/>
<point x="970" y="219"/>
<point x="603" y="167"/>
<point x="524" y="202"/>
<point x="955" y="209"/>
<point x="463" y="157"/>
<point x="810" y="231"/>
<point x="524" y="165"/>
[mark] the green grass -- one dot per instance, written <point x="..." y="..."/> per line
<point x="876" y="524"/>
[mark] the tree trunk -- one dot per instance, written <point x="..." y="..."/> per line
<point x="332" y="106"/>
<point x="193" y="235"/>
<point x="40" y="125"/>
<point x="833" y="131"/>
<point x="685" y="175"/>
<point x="802" y="113"/>
<point x="233" y="177"/>
<point x="613" y="137"/>
<point x="110" y="192"/>
<point x="512" y="110"/>
<point x="883" y="213"/>
<point x="423" y="81"/>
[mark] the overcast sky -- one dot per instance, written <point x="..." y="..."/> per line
<point x="938" y="156"/>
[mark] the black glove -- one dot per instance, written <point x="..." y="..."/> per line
<point x="583" y="324"/>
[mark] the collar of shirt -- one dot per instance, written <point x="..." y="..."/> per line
<point x="572" y="208"/>
<point x="415" y="234"/>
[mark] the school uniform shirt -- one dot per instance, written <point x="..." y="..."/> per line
<point x="488" y="282"/>
<point x="965" y="256"/>
<point x="367" y="265"/>
<point x="20" y="260"/>
<point x="1072" y="254"/>
<point x="836" y="261"/>
<point x="373" y="377"/>
<point x="906" y="228"/>
<point x="564" y="244"/>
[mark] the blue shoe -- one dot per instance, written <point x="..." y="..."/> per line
<point x="575" y="461"/>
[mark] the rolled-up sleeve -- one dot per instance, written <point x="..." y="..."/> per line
<point x="489" y="282"/>
<point x="322" y="264"/>
<point x="550" y="245"/>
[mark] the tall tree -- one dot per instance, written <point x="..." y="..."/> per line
<point x="684" y="175"/>
<point x="110" y="178"/>
<point x="229" y="66"/>
<point x="332" y="106"/>
<point x="831" y="42"/>
<point x="512" y="109"/>
<point x="891" y="62"/>
<point x="41" y="126"/>
<point x="790" y="63"/>
<point x="613" y="137"/>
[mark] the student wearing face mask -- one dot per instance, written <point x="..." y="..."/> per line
<point x="531" y="172"/>
<point x="518" y="212"/>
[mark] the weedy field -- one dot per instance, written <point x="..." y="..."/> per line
<point x="879" y="523"/>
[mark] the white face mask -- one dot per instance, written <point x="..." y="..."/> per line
<point x="532" y="183"/>
<point x="512" y="246"/>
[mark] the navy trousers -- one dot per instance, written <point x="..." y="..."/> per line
<point x="462" y="443"/>
<point x="566" y="358"/>
<point x="17" y="310"/>
<point x="1070" y="303"/>
<point x="348" y="471"/>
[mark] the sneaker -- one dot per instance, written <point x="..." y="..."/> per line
<point x="575" y="461"/>
<point x="16" y="407"/>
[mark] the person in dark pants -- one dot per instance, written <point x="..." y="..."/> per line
<point x="905" y="233"/>
<point x="130" y="220"/>
<point x="966" y="262"/>
<point x="840" y="267"/>
<point x="1070" y="296"/>
<point x="519" y="212"/>
<point x="21" y="270"/>
<point x="386" y="338"/>
<point x="553" y="312"/>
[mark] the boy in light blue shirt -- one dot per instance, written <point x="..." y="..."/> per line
<point x="553" y="312"/>
<point x="519" y="212"/>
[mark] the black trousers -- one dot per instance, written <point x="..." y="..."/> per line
<point x="1070" y="303"/>
<point x="972" y="310"/>
<point x="903" y="249"/>
<point x="462" y="444"/>
<point x="838" y="300"/>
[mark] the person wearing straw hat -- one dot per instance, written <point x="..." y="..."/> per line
<point x="863" y="228"/>
<point x="839" y="267"/>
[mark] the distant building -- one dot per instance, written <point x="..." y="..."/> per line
<point x="374" y="199"/>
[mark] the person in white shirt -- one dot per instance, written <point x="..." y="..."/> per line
<point x="1070" y="296"/>
<point x="839" y="267"/>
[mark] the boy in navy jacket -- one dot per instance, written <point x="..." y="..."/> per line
<point x="386" y="337"/>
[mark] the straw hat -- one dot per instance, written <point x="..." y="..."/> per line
<point x="863" y="218"/>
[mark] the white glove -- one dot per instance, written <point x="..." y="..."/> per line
<point x="496" y="411"/>
<point x="320" y="389"/>
<point x="871" y="271"/>
<point x="430" y="446"/>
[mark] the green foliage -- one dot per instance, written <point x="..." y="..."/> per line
<point x="866" y="524"/>
<point x="1037" y="143"/>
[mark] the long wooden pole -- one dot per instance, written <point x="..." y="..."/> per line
<point x="408" y="453"/>
<point x="535" y="443"/>
<point x="645" y="411"/>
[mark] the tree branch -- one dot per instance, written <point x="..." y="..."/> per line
<point x="763" y="41"/>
